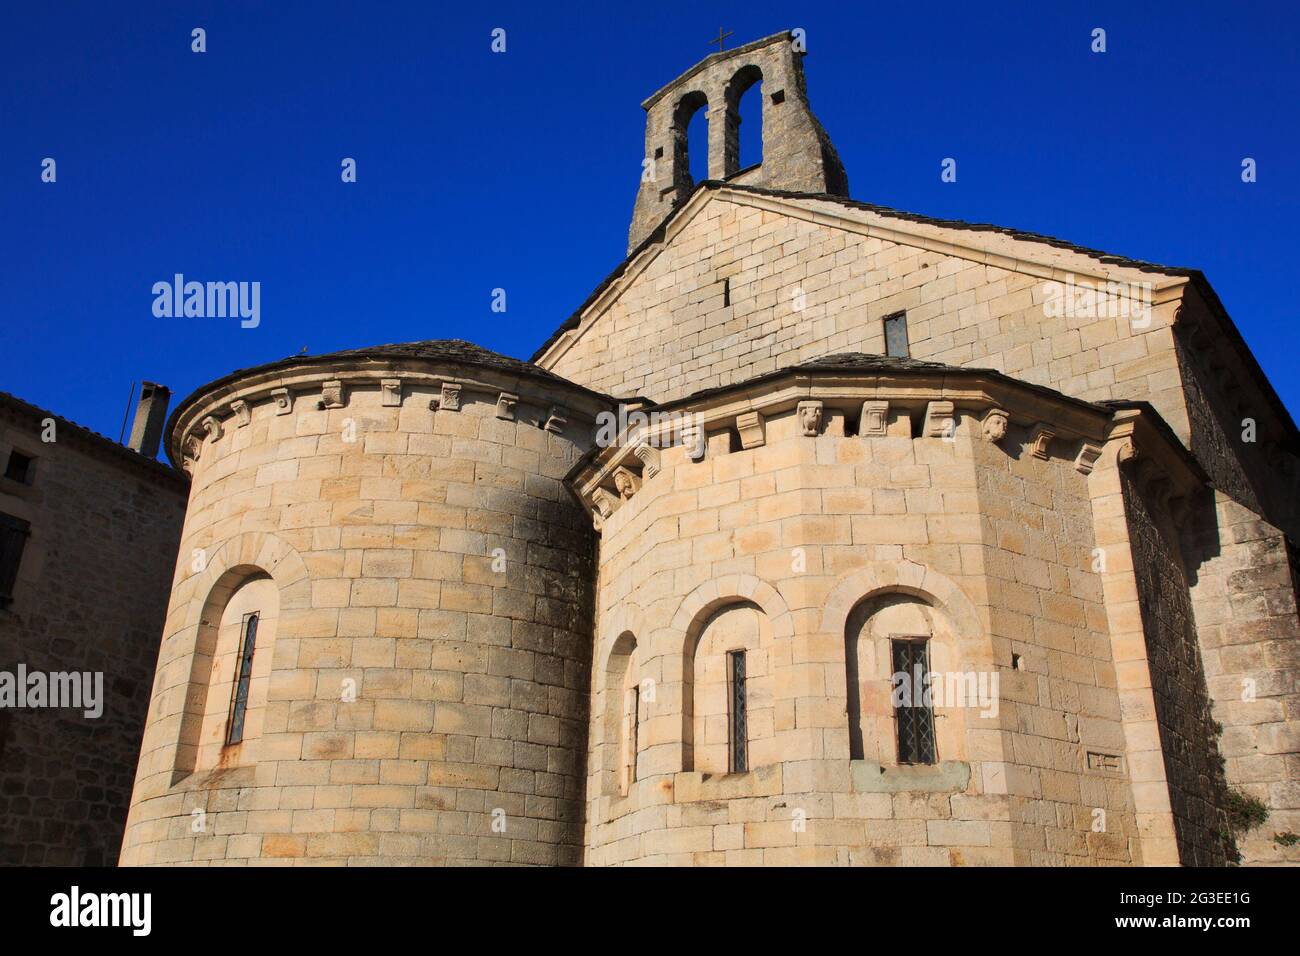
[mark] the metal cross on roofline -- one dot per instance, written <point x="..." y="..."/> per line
<point x="721" y="36"/>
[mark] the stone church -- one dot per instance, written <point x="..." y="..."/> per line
<point x="821" y="534"/>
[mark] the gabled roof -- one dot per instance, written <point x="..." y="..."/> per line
<point x="658" y="235"/>
<point x="1194" y="277"/>
<point x="1107" y="258"/>
<point x="92" y="439"/>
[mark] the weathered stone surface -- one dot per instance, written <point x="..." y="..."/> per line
<point x="90" y="597"/>
<point x="1052" y="508"/>
<point x="871" y="777"/>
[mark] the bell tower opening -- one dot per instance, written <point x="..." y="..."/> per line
<point x="760" y="130"/>
<point x="691" y="128"/>
<point x="744" y="146"/>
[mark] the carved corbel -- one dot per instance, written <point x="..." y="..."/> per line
<point x="390" y="392"/>
<point x="1127" y="452"/>
<point x="1114" y="453"/>
<point x="940" y="420"/>
<point x="331" y="395"/>
<point x="191" y="449"/>
<point x="875" y="420"/>
<point x="1040" y="441"/>
<point x="506" y="404"/>
<point x="694" y="440"/>
<point x="994" y="425"/>
<point x="649" y="456"/>
<point x="212" y="427"/>
<point x="556" y="419"/>
<point x="243" y="414"/>
<point x="1086" y="460"/>
<point x="448" y="398"/>
<point x="752" y="428"/>
<point x="626" y="482"/>
<point x="603" y="502"/>
<point x="810" y="418"/>
<point x="283" y="403"/>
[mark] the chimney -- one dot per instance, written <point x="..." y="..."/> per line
<point x="150" y="416"/>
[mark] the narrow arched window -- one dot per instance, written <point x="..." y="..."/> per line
<point x="913" y="710"/>
<point x="622" y="705"/>
<point x="728" y="718"/>
<point x="897" y="646"/>
<point x="236" y="649"/>
<point x="243" y="679"/>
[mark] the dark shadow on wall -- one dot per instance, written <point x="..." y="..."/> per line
<point x="1198" y="789"/>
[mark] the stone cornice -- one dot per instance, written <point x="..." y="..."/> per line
<point x="1204" y="332"/>
<point x="984" y="401"/>
<point x="1165" y="471"/>
<point x="230" y="404"/>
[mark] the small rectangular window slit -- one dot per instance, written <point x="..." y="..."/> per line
<point x="13" y="539"/>
<point x="243" y="677"/>
<point x="739" y="724"/>
<point x="19" y="467"/>
<point x="896" y="345"/>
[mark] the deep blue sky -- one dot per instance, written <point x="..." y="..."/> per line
<point x="518" y="171"/>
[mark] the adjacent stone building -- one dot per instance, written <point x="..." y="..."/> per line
<point x="821" y="533"/>
<point x="88" y="537"/>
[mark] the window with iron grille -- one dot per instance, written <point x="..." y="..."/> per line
<point x="739" y="729"/>
<point x="896" y="336"/>
<point x="912" y="713"/>
<point x="13" y="538"/>
<point x="243" y="677"/>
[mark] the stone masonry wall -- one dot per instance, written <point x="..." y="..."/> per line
<point x="1065" y="741"/>
<point x="799" y="289"/>
<point x="1249" y="631"/>
<point x="1217" y="446"/>
<point x="91" y="596"/>
<point x="751" y="284"/>
<point x="997" y="542"/>
<point x="1232" y="431"/>
<point x="427" y="697"/>
<point x="1188" y="735"/>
